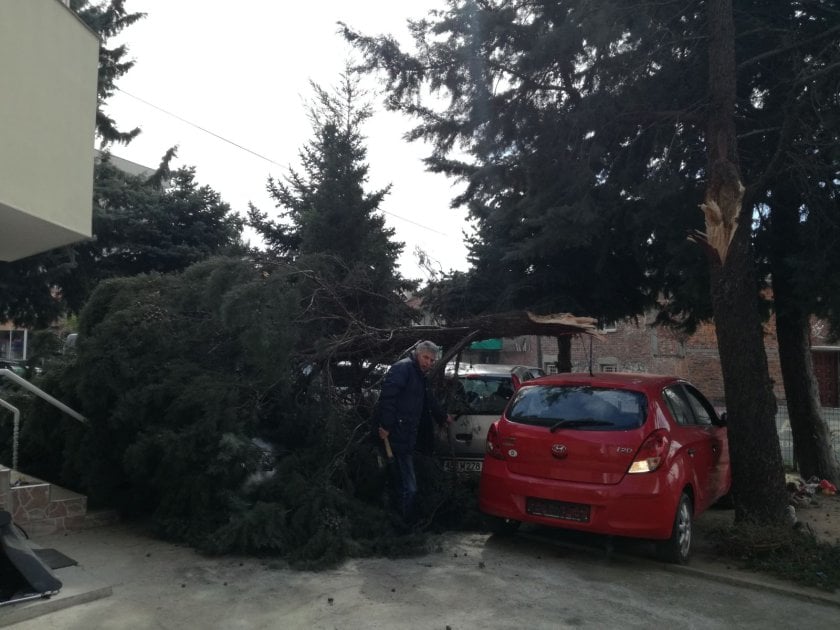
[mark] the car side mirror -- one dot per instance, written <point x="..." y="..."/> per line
<point x="723" y="419"/>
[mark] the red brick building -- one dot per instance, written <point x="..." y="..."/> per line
<point x="638" y="346"/>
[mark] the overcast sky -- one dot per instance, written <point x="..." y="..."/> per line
<point x="241" y="70"/>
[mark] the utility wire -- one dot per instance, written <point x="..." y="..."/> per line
<point x="254" y="153"/>
<point x="200" y="128"/>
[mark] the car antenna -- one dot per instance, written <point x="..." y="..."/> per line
<point x="590" y="356"/>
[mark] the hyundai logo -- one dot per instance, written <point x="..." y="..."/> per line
<point x="559" y="450"/>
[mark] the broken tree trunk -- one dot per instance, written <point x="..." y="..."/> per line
<point x="564" y="354"/>
<point x="758" y="485"/>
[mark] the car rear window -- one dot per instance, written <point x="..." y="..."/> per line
<point x="578" y="407"/>
<point x="486" y="394"/>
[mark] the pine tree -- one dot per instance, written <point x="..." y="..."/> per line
<point x="583" y="131"/>
<point x="789" y="64"/>
<point x="330" y="226"/>
<point x="108" y="19"/>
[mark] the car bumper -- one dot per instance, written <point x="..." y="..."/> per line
<point x="640" y="506"/>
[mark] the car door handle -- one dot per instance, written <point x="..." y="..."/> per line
<point x="691" y="452"/>
<point x="464" y="437"/>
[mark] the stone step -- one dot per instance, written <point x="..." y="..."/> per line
<point x="41" y="508"/>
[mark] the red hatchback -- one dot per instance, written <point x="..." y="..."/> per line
<point x="634" y="455"/>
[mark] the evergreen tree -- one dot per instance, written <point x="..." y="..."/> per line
<point x="569" y="216"/>
<point x="108" y="19"/>
<point x="788" y="65"/>
<point x="331" y="227"/>
<point x="161" y="223"/>
<point x="587" y="130"/>
<point x="758" y="484"/>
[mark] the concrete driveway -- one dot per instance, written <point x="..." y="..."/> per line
<point x="466" y="581"/>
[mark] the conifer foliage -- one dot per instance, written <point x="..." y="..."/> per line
<point x="206" y="410"/>
<point x="108" y="19"/>
<point x="162" y="222"/>
<point x="331" y="227"/>
<point x="587" y="133"/>
<point x="204" y="415"/>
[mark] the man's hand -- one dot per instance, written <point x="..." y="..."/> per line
<point x="382" y="433"/>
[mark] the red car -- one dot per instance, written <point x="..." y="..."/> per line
<point x="635" y="455"/>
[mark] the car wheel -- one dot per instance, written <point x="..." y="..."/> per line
<point x="502" y="526"/>
<point x="677" y="548"/>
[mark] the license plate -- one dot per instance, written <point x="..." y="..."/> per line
<point x="461" y="465"/>
<point x="558" y="509"/>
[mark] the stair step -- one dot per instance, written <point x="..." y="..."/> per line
<point x="30" y="501"/>
<point x="42" y="508"/>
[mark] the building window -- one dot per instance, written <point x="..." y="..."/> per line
<point x="550" y="367"/>
<point x="609" y="367"/>
<point x="607" y="325"/>
<point x="13" y="345"/>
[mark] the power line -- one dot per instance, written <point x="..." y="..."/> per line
<point x="254" y="153"/>
<point x="200" y="128"/>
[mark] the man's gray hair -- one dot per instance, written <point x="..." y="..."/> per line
<point x="426" y="347"/>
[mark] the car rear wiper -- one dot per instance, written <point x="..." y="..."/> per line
<point x="580" y="422"/>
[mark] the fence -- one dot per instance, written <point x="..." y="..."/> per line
<point x="831" y="415"/>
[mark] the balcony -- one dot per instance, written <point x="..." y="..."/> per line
<point x="47" y="115"/>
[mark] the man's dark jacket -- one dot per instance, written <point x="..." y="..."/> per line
<point x="405" y="404"/>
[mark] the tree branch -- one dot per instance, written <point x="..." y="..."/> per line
<point x="778" y="51"/>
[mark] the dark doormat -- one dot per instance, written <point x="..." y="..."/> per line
<point x="54" y="559"/>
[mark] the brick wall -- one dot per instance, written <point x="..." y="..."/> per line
<point x="637" y="346"/>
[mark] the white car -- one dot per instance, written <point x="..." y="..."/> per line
<point x="478" y="396"/>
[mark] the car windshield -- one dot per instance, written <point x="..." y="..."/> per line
<point x="562" y="407"/>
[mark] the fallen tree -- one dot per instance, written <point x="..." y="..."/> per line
<point x="383" y="345"/>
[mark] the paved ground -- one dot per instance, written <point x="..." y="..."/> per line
<point x="534" y="580"/>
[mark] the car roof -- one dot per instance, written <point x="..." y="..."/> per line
<point x="624" y="380"/>
<point x="486" y="369"/>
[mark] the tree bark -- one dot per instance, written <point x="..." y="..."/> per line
<point x="564" y="353"/>
<point x="811" y="436"/>
<point x="758" y="485"/>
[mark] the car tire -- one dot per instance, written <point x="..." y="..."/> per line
<point x="502" y="526"/>
<point x="677" y="549"/>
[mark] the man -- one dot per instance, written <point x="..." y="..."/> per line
<point x="404" y="403"/>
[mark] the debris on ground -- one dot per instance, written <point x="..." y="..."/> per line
<point x="802" y="492"/>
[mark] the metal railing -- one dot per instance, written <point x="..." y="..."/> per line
<point x="15" y="430"/>
<point x="19" y="380"/>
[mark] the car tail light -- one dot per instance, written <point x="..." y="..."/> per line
<point x="494" y="446"/>
<point x="652" y="452"/>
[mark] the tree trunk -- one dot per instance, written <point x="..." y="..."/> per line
<point x="564" y="353"/>
<point x="758" y="485"/>
<point x="811" y="436"/>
